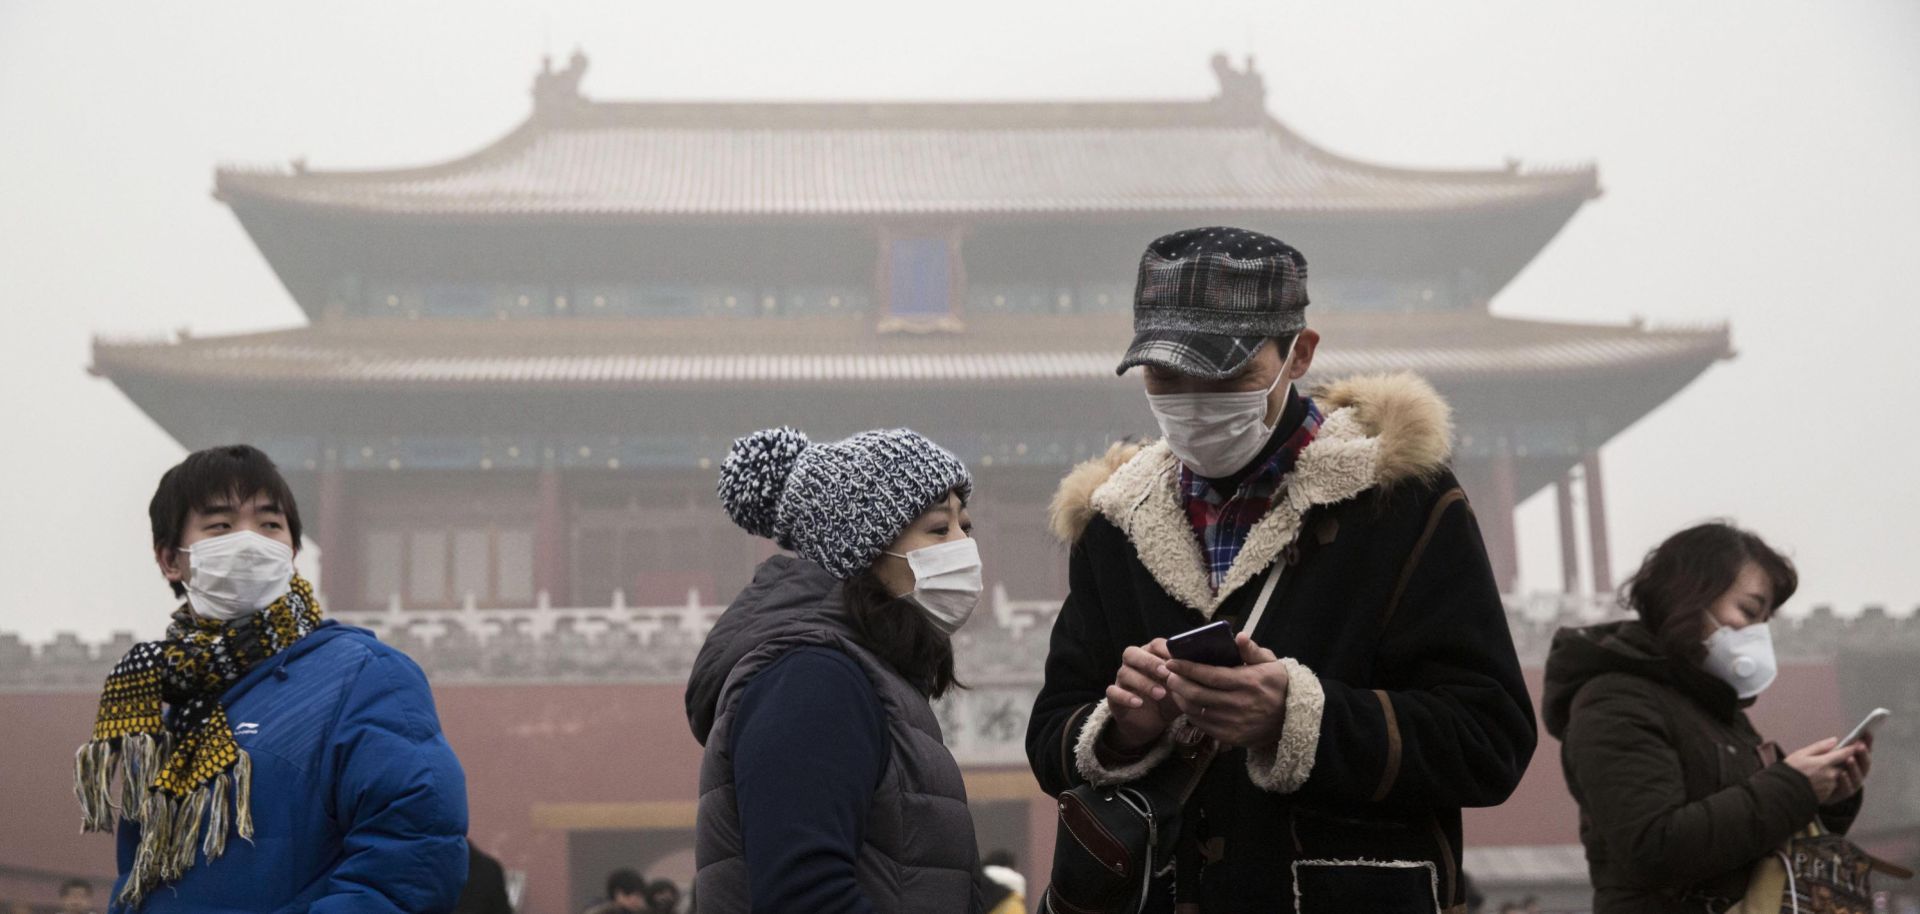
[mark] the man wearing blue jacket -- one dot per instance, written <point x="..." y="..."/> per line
<point x="309" y="741"/>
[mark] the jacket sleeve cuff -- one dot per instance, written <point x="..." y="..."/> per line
<point x="1086" y="757"/>
<point x="1800" y="793"/>
<point x="1839" y="817"/>
<point x="1284" y="766"/>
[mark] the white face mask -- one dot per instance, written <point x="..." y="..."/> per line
<point x="946" y="582"/>
<point x="236" y="574"/>
<point x="1218" y="434"/>
<point x="1742" y="658"/>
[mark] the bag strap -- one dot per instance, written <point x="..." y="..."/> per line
<point x="1888" y="868"/>
<point x="1419" y="551"/>
<point x="1193" y="750"/>
<point x="1266" y="594"/>
<point x="1771" y="754"/>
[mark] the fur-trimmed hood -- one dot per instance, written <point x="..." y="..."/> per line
<point x="1379" y="431"/>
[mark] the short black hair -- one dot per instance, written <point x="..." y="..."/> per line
<point x="210" y="477"/>
<point x="72" y="884"/>
<point x="625" y="882"/>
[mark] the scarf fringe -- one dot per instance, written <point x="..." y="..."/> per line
<point x="82" y="784"/>
<point x="140" y="755"/>
<point x="185" y="842"/>
<point x="153" y="836"/>
<point x="92" y="779"/>
<point x="174" y="830"/>
<point x="215" y="843"/>
<point x="136" y="758"/>
<point x="243" y="796"/>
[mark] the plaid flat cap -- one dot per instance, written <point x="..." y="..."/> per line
<point x="1209" y="298"/>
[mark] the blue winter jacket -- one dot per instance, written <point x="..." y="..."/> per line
<point x="358" y="802"/>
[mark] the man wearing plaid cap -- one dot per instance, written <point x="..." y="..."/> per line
<point x="1378" y="693"/>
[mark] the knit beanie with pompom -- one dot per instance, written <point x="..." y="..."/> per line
<point x="841" y="504"/>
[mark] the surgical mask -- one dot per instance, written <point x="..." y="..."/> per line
<point x="1742" y="658"/>
<point x="946" y="582"/>
<point x="236" y="574"/>
<point x="1218" y="434"/>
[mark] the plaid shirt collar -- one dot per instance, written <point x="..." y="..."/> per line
<point x="1221" y="522"/>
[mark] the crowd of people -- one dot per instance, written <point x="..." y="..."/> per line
<point x="1282" y="670"/>
<point x="628" y="892"/>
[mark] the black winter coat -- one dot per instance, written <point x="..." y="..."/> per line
<point x="1406" y="701"/>
<point x="1676" y="802"/>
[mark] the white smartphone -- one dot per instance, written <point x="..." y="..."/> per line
<point x="1866" y="726"/>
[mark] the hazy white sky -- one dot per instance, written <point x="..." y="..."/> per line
<point x="1759" y="160"/>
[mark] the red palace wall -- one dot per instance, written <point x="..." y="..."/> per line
<point x="544" y="759"/>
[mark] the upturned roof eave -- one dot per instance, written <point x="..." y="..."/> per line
<point x="303" y="189"/>
<point x="854" y="215"/>
<point x="454" y="368"/>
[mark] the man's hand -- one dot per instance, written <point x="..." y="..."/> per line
<point x="1141" y="707"/>
<point x="1239" y="706"/>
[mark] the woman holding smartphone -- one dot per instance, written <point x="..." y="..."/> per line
<point x="1679" y="796"/>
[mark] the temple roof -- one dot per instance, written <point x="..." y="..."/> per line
<point x="696" y="353"/>
<point x="574" y="157"/>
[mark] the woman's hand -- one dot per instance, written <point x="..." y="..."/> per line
<point x="1857" y="768"/>
<point x="1140" y="705"/>
<point x="1836" y="774"/>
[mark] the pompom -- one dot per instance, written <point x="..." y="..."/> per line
<point x="755" y="473"/>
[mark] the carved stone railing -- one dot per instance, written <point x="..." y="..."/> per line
<point x="1005" y="644"/>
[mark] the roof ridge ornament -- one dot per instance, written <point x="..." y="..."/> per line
<point x="1243" y="91"/>
<point x="559" y="90"/>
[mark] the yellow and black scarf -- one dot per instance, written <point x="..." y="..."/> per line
<point x="178" y="769"/>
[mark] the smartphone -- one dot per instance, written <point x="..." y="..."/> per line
<point x="1211" y="644"/>
<point x="1868" y="725"/>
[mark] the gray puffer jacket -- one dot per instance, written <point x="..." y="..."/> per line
<point x="918" y="851"/>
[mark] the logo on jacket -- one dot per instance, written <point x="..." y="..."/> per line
<point x="248" y="728"/>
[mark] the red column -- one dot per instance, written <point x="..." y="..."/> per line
<point x="883" y="273"/>
<point x="956" y="274"/>
<point x="1597" y="523"/>
<point x="1569" y="545"/>
<point x="1502" y="546"/>
<point x="550" y="538"/>
<point x="337" y="581"/>
<point x="1043" y="824"/>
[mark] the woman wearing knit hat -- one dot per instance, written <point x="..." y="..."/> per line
<point x="826" y="786"/>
